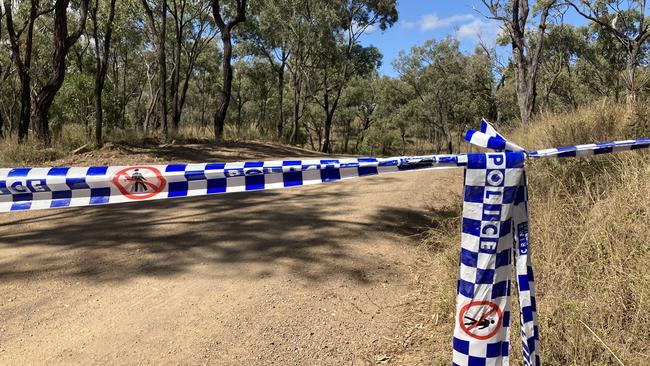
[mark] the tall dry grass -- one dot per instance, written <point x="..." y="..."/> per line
<point x="590" y="244"/>
<point x="71" y="136"/>
<point x="590" y="221"/>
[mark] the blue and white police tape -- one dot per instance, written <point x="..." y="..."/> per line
<point x="481" y="333"/>
<point x="494" y="225"/>
<point x="41" y="188"/>
<point x="592" y="149"/>
<point x="489" y="138"/>
<point x="529" y="328"/>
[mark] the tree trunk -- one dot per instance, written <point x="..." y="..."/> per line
<point x="138" y="112"/>
<point x="330" y="108"/>
<point x="25" y="105"/>
<point x="203" y="113"/>
<point x="162" y="63"/>
<point x="62" y="44"/>
<point x="346" y="139"/>
<point x="2" y="120"/>
<point x="26" y="79"/>
<point x="101" y="61"/>
<point x="123" y="100"/>
<point x="183" y="92"/>
<point x="99" y="114"/>
<point x="326" y="147"/>
<point x="526" y="95"/>
<point x="23" y="66"/>
<point x="223" y="99"/>
<point x="152" y="105"/>
<point x="280" y="127"/>
<point x="176" y="73"/>
<point x="526" y="58"/>
<point x="176" y="113"/>
<point x="297" y="91"/>
<point x="630" y="80"/>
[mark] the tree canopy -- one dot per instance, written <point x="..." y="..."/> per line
<point x="296" y="71"/>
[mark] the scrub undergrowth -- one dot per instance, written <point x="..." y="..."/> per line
<point x="590" y="245"/>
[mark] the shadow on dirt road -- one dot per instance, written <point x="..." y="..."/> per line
<point x="304" y="231"/>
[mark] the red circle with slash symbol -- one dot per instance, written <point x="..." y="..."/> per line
<point x="480" y="319"/>
<point x="139" y="182"/>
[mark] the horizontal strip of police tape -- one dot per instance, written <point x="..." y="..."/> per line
<point x="494" y="224"/>
<point x="41" y="188"/>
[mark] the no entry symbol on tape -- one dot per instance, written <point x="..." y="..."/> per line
<point x="480" y="319"/>
<point x="139" y="182"/>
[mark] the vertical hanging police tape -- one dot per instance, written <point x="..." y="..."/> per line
<point x="495" y="216"/>
<point x="492" y="183"/>
<point x="494" y="224"/>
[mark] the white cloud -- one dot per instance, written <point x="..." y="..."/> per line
<point x="430" y="22"/>
<point x="467" y="27"/>
<point x="478" y="30"/>
<point x="408" y="24"/>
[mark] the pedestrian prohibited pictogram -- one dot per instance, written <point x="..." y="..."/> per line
<point x="139" y="182"/>
<point x="480" y="319"/>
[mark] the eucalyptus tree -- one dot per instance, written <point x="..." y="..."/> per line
<point x="515" y="15"/>
<point x="126" y="66"/>
<point x="443" y="90"/>
<point x="340" y="56"/>
<point x="158" y="33"/>
<point x="600" y="65"/>
<point x="5" y="73"/>
<point x="21" y="40"/>
<point x="102" y="53"/>
<point x="363" y="99"/>
<point x="227" y="17"/>
<point x="192" y="34"/>
<point x="267" y="34"/>
<point x="62" y="41"/>
<point x="300" y="38"/>
<point x="202" y="92"/>
<point x="628" y="23"/>
<point x="563" y="44"/>
<point x="393" y="96"/>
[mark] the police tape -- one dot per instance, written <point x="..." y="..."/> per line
<point x="494" y="218"/>
<point x="59" y="187"/>
<point x="494" y="227"/>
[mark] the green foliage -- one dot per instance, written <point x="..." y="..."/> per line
<point x="443" y="90"/>
<point x="300" y="70"/>
<point x="74" y="102"/>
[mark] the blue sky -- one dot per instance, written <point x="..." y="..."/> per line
<point x="422" y="20"/>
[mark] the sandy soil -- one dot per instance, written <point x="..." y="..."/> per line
<point x="321" y="275"/>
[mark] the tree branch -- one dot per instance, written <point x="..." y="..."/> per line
<point x="620" y="36"/>
<point x="71" y="39"/>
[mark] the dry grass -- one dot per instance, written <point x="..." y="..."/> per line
<point x="590" y="239"/>
<point x="67" y="138"/>
<point x="72" y="136"/>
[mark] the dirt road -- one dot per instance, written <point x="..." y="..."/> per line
<point x="316" y="275"/>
